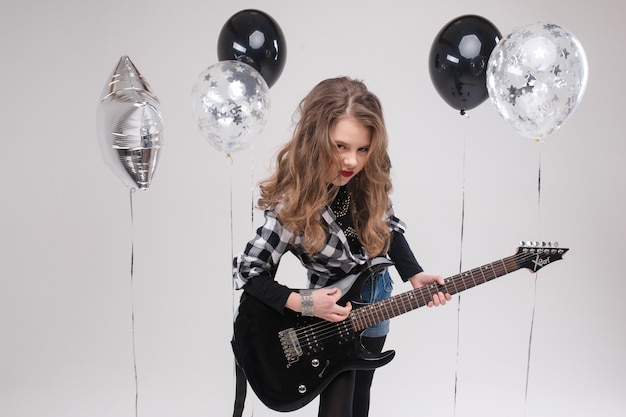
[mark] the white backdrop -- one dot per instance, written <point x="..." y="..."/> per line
<point x="66" y="295"/>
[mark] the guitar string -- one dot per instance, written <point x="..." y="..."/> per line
<point x="399" y="304"/>
<point x="423" y="294"/>
<point x="325" y="329"/>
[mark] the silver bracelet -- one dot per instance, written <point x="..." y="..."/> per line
<point x="307" y="302"/>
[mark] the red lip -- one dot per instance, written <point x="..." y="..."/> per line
<point x="347" y="174"/>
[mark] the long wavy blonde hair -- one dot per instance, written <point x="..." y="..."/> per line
<point x="299" y="188"/>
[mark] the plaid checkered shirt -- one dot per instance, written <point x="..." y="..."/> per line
<point x="263" y="253"/>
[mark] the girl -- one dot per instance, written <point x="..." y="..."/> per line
<point x="328" y="203"/>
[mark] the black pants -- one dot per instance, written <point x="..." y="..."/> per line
<point x="348" y="395"/>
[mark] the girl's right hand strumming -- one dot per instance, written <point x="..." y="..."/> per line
<point x="324" y="304"/>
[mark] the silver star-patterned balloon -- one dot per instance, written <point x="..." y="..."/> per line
<point x="230" y="101"/>
<point x="536" y="77"/>
<point x="130" y="126"/>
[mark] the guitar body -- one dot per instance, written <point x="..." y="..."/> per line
<point x="285" y="382"/>
<point x="289" y="359"/>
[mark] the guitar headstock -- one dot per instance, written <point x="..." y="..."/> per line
<point x="536" y="255"/>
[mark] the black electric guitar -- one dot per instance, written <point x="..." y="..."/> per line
<point x="289" y="359"/>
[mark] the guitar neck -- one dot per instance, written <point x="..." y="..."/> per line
<point x="377" y="312"/>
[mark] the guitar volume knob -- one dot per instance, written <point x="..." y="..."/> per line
<point x="315" y="363"/>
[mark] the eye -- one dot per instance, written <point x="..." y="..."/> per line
<point x="365" y="149"/>
<point x="341" y="146"/>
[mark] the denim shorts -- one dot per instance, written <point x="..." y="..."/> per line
<point x="374" y="289"/>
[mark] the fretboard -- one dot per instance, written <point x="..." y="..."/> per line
<point x="380" y="311"/>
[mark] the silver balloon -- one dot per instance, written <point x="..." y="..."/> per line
<point x="130" y="126"/>
<point x="230" y="101"/>
<point x="536" y="77"/>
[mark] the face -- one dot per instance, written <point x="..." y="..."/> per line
<point x="353" y="143"/>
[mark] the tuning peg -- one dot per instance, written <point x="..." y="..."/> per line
<point x="541" y="247"/>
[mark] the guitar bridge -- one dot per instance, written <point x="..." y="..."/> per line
<point x="291" y="345"/>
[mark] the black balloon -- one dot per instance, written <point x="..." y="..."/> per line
<point x="458" y="60"/>
<point x="254" y="37"/>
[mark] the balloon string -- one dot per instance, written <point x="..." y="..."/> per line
<point x="234" y="303"/>
<point x="232" y="255"/>
<point x="232" y="234"/>
<point x="252" y="188"/>
<point x="530" y="340"/>
<point x="232" y="246"/>
<point x="252" y="219"/>
<point x="458" y="311"/>
<point x="132" y="302"/>
<point x="532" y="319"/>
<point x="539" y="189"/>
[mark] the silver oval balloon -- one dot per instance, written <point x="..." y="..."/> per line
<point x="230" y="101"/>
<point x="130" y="126"/>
